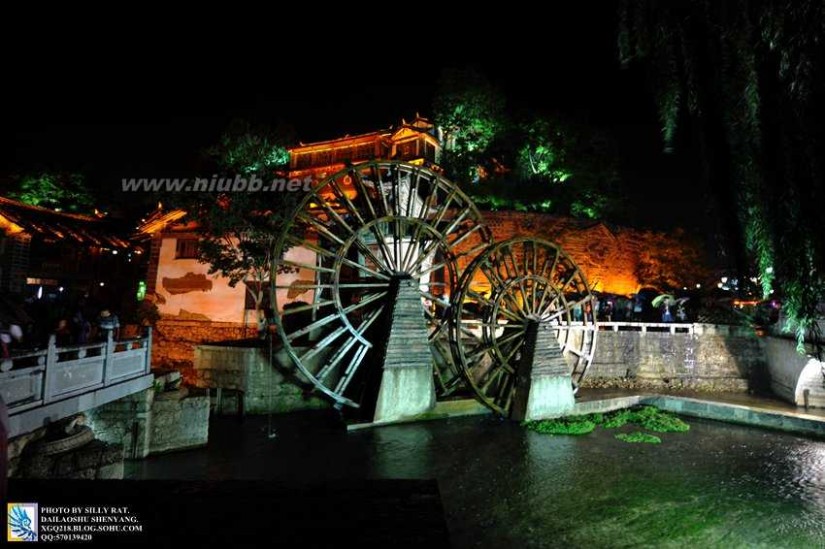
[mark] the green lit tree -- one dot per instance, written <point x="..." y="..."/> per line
<point x="750" y="76"/>
<point x="544" y="151"/>
<point x="574" y="162"/>
<point x="470" y="111"/>
<point x="54" y="190"/>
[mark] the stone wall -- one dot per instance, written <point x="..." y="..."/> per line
<point x="180" y="420"/>
<point x="88" y="460"/>
<point x="16" y="447"/>
<point x="150" y="422"/>
<point x="247" y="371"/>
<point x="126" y="421"/>
<point x="711" y="359"/>
<point x="95" y="460"/>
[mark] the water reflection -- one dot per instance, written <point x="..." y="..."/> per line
<point x="718" y="485"/>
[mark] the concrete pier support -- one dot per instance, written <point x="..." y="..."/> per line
<point x="543" y="386"/>
<point x="407" y="387"/>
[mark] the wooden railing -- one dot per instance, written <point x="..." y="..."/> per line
<point x="38" y="378"/>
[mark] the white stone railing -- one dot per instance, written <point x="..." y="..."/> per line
<point x="695" y="328"/>
<point x="644" y="327"/>
<point x="37" y="379"/>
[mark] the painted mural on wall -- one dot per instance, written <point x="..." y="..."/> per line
<point x="185" y="290"/>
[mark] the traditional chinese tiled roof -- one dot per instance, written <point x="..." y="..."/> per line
<point x="16" y="217"/>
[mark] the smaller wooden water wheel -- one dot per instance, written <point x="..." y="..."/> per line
<point x="509" y="287"/>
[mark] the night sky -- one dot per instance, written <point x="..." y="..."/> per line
<point x="114" y="105"/>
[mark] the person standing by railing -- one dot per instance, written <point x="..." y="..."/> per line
<point x="108" y="322"/>
<point x="9" y="335"/>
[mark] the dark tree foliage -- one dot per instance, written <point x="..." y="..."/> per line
<point x="750" y="76"/>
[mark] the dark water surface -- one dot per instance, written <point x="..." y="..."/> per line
<point x="501" y="486"/>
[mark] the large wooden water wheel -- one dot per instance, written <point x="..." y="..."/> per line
<point x="356" y="238"/>
<point x="507" y="287"/>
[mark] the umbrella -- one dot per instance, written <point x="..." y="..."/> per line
<point x="664" y="299"/>
<point x="682" y="300"/>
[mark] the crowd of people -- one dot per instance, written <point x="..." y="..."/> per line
<point x="28" y="326"/>
<point x="640" y="307"/>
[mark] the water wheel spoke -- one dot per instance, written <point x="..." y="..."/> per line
<point x="363" y="268"/>
<point x="354" y="338"/>
<point x="493" y="376"/>
<point x="466" y="211"/>
<point x="516" y="348"/>
<point x="472" y="252"/>
<point x="320" y="323"/>
<point x="350" y="371"/>
<point x="368" y="300"/>
<point x="324" y="343"/>
<point x="350" y="231"/>
<point x="508" y="391"/>
<point x="443" y="208"/>
<point x="547" y="290"/>
<point x="428" y="249"/>
<point x="412" y="248"/>
<point x="568" y="307"/>
<point x="477" y="352"/>
<point x="333" y="215"/>
<point x="299" y="265"/>
<point x="308" y="307"/>
<point x="491" y="304"/>
<point x="379" y="190"/>
<point x="511" y="337"/>
<point x="474" y="230"/>
<point x="373" y="226"/>
<point x="320" y="229"/>
<point x="342" y="197"/>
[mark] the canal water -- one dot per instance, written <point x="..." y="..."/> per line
<point x="718" y="485"/>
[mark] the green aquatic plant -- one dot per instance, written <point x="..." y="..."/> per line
<point x="572" y="425"/>
<point x="646" y="417"/>
<point x="638" y="436"/>
<point x="617" y="419"/>
<point x="654" y="419"/>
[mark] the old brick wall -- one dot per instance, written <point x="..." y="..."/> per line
<point x="174" y="341"/>
<point x="607" y="257"/>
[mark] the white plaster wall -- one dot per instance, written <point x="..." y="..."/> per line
<point x="222" y="303"/>
<point x="305" y="276"/>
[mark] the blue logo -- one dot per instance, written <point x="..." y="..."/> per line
<point x="22" y="521"/>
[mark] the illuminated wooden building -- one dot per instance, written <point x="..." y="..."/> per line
<point x="416" y="142"/>
<point x="45" y="251"/>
